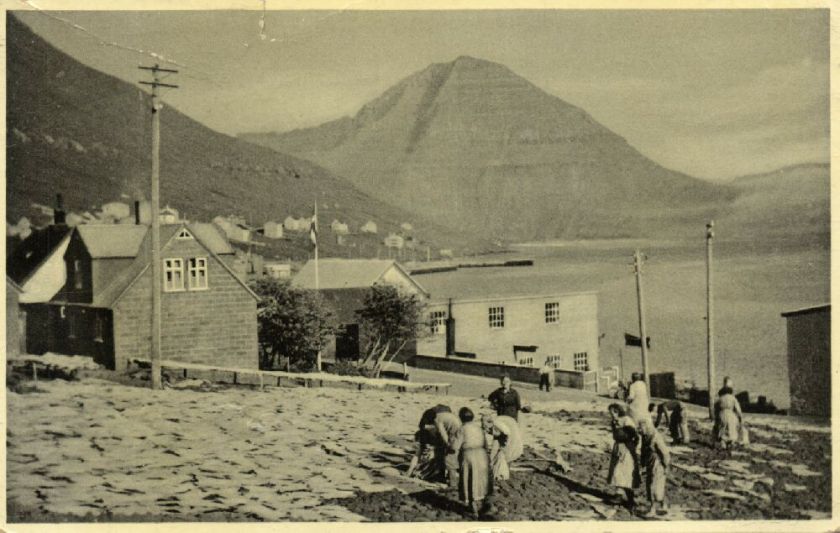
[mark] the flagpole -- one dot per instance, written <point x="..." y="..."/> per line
<point x="317" y="281"/>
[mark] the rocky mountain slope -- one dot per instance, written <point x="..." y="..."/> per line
<point x="477" y="147"/>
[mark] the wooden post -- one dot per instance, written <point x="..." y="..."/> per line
<point x="35" y="371"/>
<point x="637" y="264"/>
<point x="261" y="381"/>
<point x="710" y="343"/>
<point x="234" y="378"/>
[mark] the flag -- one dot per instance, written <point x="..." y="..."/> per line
<point x="632" y="340"/>
<point x="313" y="229"/>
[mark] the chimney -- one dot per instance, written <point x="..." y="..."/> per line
<point x="137" y="212"/>
<point x="59" y="216"/>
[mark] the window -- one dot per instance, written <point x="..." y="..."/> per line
<point x="184" y="234"/>
<point x="581" y="362"/>
<point x="198" y="273"/>
<point x="526" y="361"/>
<point x="552" y="312"/>
<point x="173" y="275"/>
<point x="497" y="317"/>
<point x="78" y="282"/>
<point x="553" y="361"/>
<point x="437" y="322"/>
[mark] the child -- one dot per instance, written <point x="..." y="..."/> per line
<point x="657" y="460"/>
<point x="624" y="468"/>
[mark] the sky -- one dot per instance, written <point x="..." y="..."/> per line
<point x="714" y="94"/>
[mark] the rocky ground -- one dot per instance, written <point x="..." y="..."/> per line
<point x="96" y="450"/>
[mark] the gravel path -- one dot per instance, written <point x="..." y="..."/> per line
<point x="96" y="450"/>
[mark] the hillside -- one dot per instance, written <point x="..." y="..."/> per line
<point x="74" y="130"/>
<point x="475" y="146"/>
<point x="792" y="202"/>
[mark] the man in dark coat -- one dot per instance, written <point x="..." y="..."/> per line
<point x="505" y="400"/>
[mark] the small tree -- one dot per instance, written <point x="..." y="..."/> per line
<point x="292" y="322"/>
<point x="389" y="320"/>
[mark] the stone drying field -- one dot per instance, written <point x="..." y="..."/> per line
<point x="99" y="451"/>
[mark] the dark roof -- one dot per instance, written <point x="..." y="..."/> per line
<point x="29" y="254"/>
<point x="808" y="310"/>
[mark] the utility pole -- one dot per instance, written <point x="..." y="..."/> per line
<point x="710" y="326"/>
<point x="637" y="267"/>
<point x="155" y="208"/>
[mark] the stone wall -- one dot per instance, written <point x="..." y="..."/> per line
<point x="524" y="374"/>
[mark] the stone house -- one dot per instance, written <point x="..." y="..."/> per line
<point x="209" y="315"/>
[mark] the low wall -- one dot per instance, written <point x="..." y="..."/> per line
<point x="524" y="374"/>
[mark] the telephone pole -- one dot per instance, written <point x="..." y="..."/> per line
<point x="710" y="326"/>
<point x="155" y="222"/>
<point x="637" y="267"/>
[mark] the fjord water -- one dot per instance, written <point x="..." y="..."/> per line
<point x="754" y="282"/>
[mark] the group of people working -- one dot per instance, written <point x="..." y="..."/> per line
<point x="470" y="453"/>
<point x="638" y="444"/>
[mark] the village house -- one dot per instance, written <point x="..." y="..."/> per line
<point x="809" y="360"/>
<point x="169" y="215"/>
<point x="394" y="241"/>
<point x="406" y="227"/>
<point x="104" y="307"/>
<point x="273" y="230"/>
<point x="234" y="227"/>
<point x="117" y="210"/>
<point x="296" y="224"/>
<point x="344" y="283"/>
<point x="339" y="228"/>
<point x="369" y="227"/>
<point x="558" y="329"/>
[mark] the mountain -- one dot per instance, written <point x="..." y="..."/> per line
<point x="74" y="130"/>
<point x="789" y="203"/>
<point x="475" y="146"/>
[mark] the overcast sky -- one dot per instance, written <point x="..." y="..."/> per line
<point x="714" y="94"/>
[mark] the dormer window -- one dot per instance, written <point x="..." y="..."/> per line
<point x="184" y="234"/>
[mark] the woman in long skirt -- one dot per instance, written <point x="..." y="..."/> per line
<point x="729" y="414"/>
<point x="624" y="463"/>
<point x="476" y="482"/>
<point x="506" y="444"/>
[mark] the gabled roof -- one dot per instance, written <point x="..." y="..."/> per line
<point x="112" y="240"/>
<point x="336" y="273"/>
<point x="111" y="294"/>
<point x="11" y="283"/>
<point x="30" y="254"/>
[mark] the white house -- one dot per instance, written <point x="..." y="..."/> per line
<point x="558" y="329"/>
<point x="296" y="224"/>
<point x="273" y="230"/>
<point x="169" y="215"/>
<point x="116" y="210"/>
<point x="370" y="227"/>
<point x="394" y="241"/>
<point x="406" y="226"/>
<point x="445" y="252"/>
<point x="233" y="228"/>
<point x="339" y="228"/>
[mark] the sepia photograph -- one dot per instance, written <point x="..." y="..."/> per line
<point x="494" y="267"/>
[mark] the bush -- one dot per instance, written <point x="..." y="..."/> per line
<point x="292" y="322"/>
